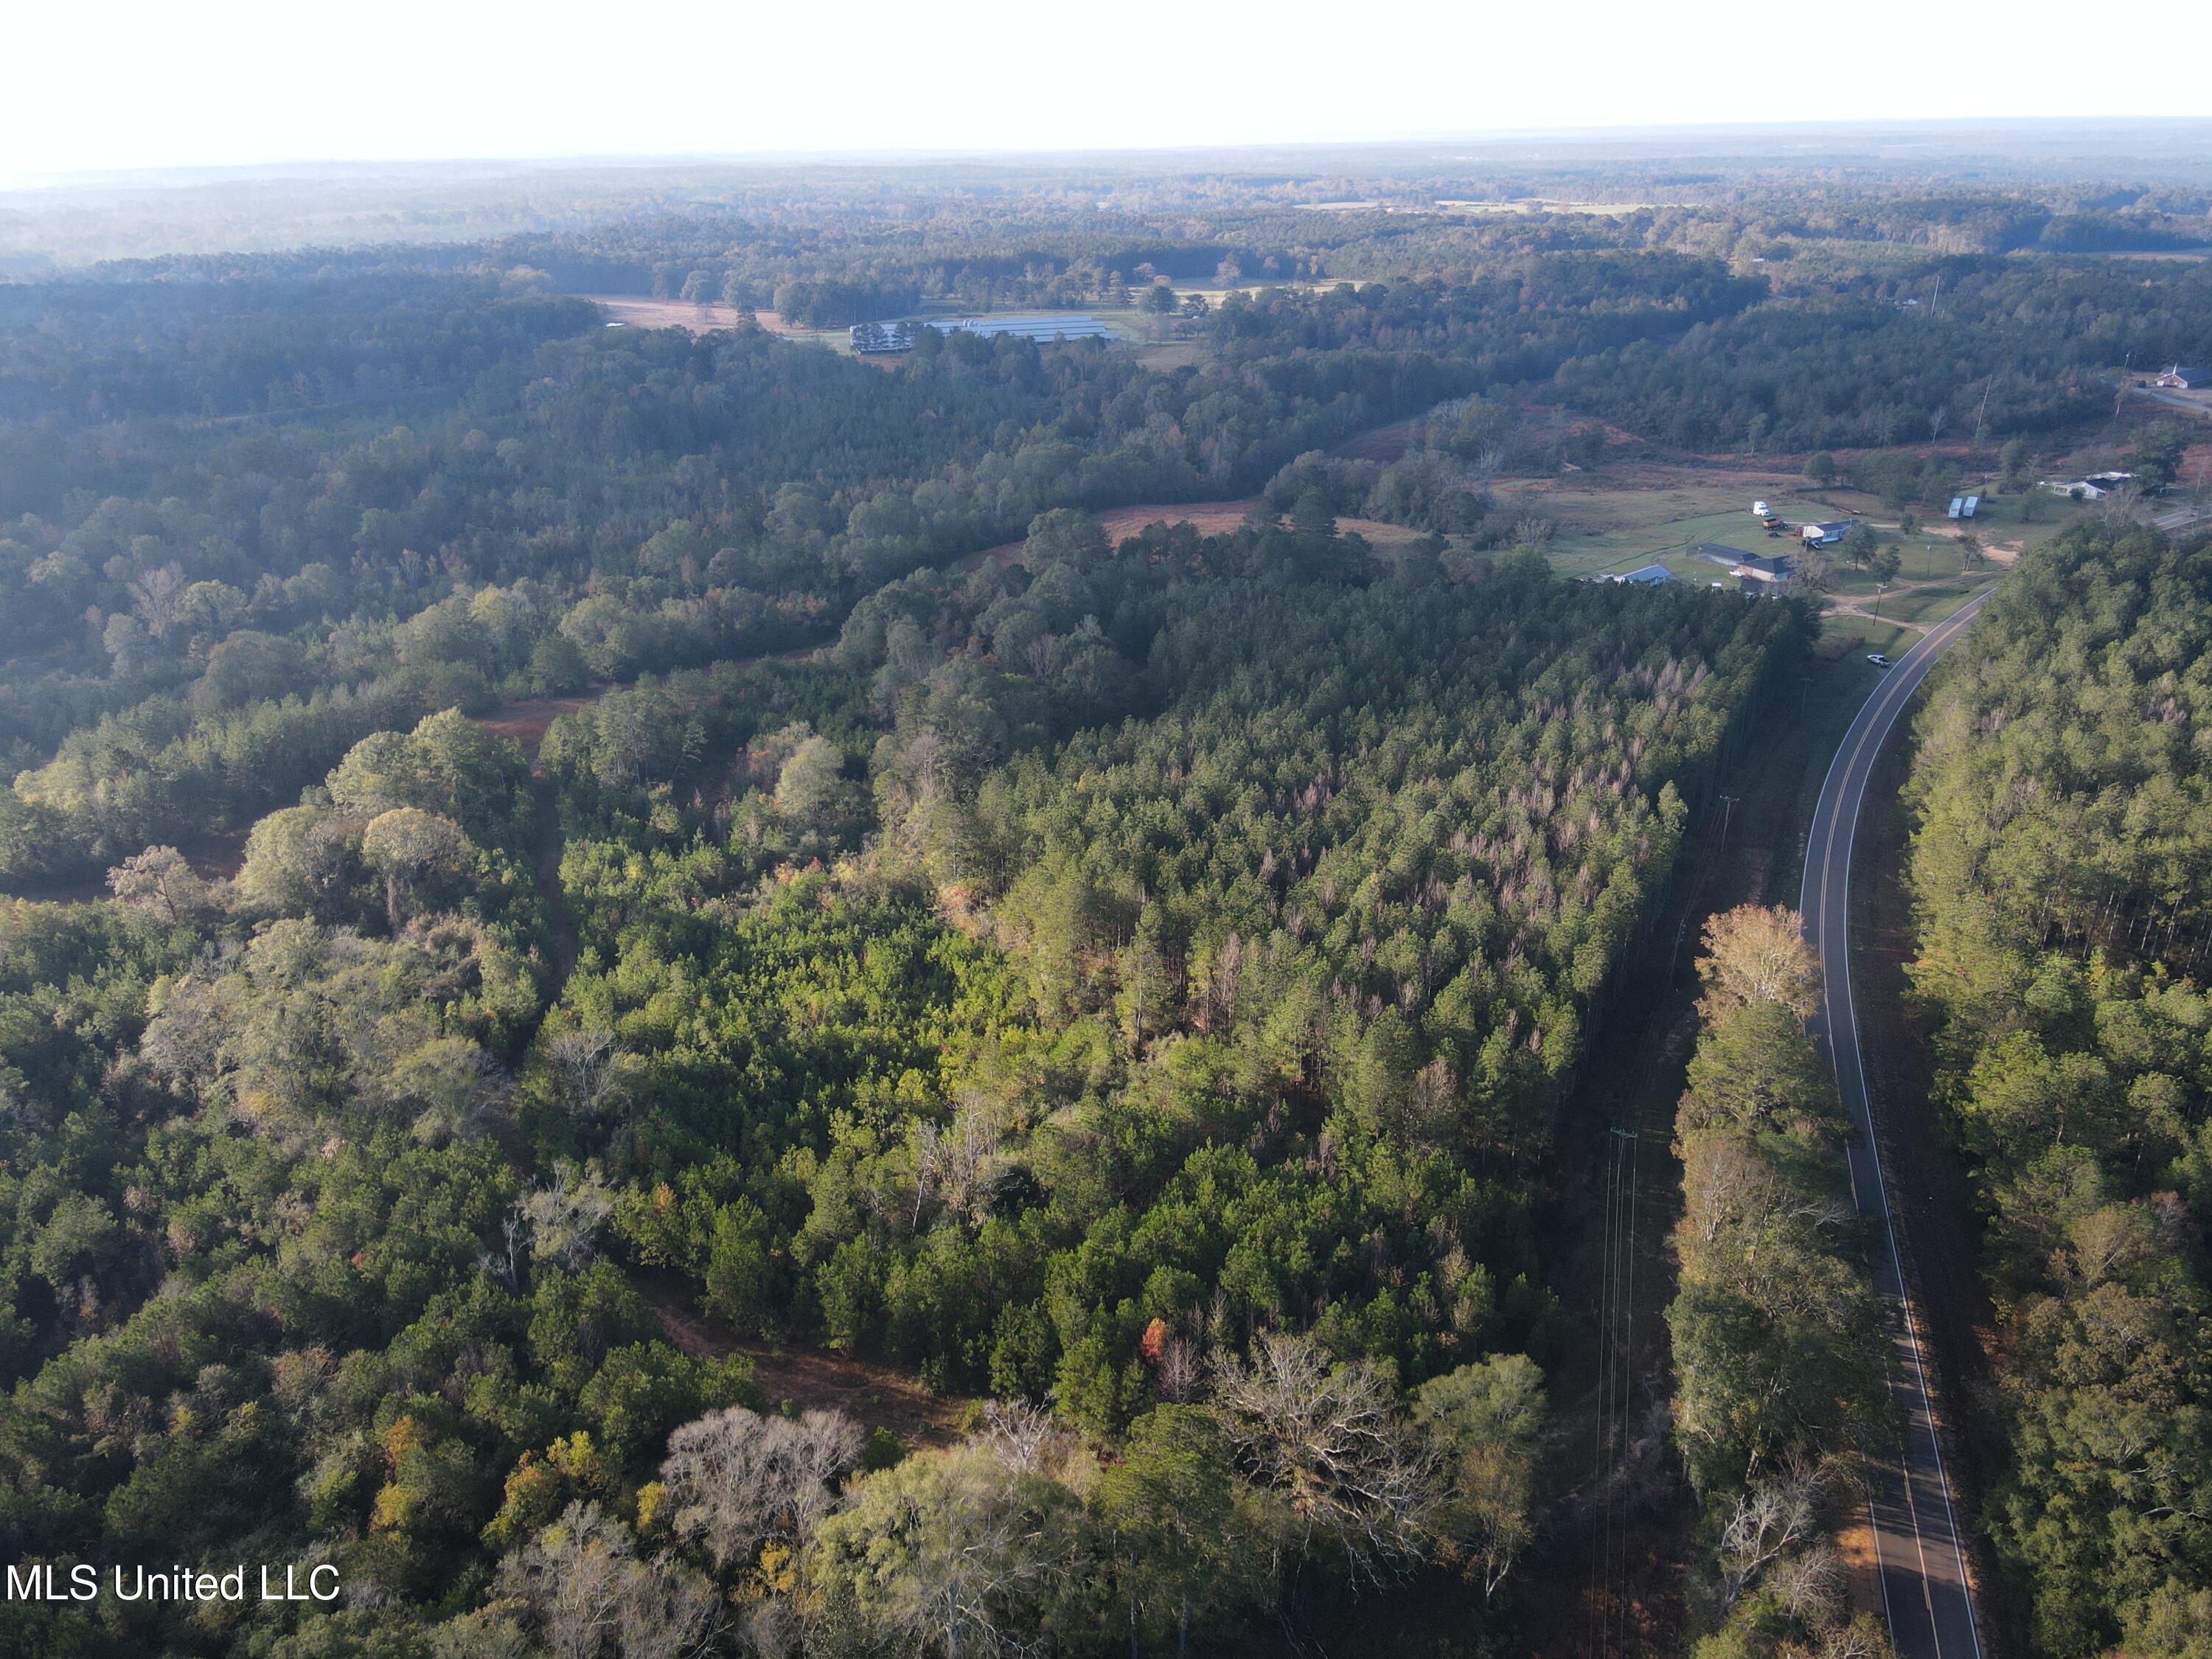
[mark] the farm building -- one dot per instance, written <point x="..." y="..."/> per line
<point x="1752" y="567"/>
<point x="2095" y="488"/>
<point x="1649" y="576"/>
<point x="1067" y="327"/>
<point x="1828" y="534"/>
<point x="2179" y="379"/>
<point x="871" y="337"/>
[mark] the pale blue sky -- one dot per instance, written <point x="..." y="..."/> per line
<point x="131" y="84"/>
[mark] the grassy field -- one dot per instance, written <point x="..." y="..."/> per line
<point x="1931" y="585"/>
<point x="1132" y="328"/>
<point x="1928" y="605"/>
<point x="1611" y="526"/>
<point x="2001" y="521"/>
<point x="1846" y="635"/>
<point x="1607" y="526"/>
<point x="1607" y="532"/>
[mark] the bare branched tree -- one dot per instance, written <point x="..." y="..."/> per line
<point x="737" y="1481"/>
<point x="159" y="882"/>
<point x="506" y="1261"/>
<point x="187" y="1043"/>
<point x="572" y="1577"/>
<point x="1734" y="1195"/>
<point x="950" y="1164"/>
<point x="1023" y="1437"/>
<point x="593" y="1077"/>
<point x="667" y="1612"/>
<point x="1331" y="1440"/>
<point x="566" y="1216"/>
<point x="1181" y="1376"/>
<point x="592" y="1597"/>
<point x="1812" y="1585"/>
<point x="158" y="598"/>
<point x="1769" y="1519"/>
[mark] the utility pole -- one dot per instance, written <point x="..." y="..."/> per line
<point x="1728" y="806"/>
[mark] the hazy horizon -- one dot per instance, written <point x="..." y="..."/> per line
<point x="142" y="87"/>
<point x="2064" y="137"/>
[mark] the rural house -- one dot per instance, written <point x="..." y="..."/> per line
<point x="2095" y="488"/>
<point x="1828" y="534"/>
<point x="1751" y="567"/>
<point x="2179" y="379"/>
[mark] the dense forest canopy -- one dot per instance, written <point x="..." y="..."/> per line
<point x="1203" y="962"/>
<point x="2062" y="871"/>
<point x="555" y="868"/>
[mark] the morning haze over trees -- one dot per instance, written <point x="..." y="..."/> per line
<point x="670" y="990"/>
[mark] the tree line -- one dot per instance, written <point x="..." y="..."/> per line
<point x="2059" y="871"/>
<point x="1779" y="1392"/>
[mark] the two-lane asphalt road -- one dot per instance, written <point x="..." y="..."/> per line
<point x="1918" y="1557"/>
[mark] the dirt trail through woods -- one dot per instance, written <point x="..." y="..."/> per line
<point x="874" y="1395"/>
<point x="525" y="723"/>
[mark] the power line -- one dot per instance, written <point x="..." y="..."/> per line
<point x="1619" y="1383"/>
<point x="1627" y="1376"/>
<point x="1608" y="1375"/>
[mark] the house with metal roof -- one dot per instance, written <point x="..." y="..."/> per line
<point x="2179" y="379"/>
<point x="2095" y="488"/>
<point x="1752" y="567"/>
<point x="873" y="337"/>
<point x="1828" y="534"/>
<point x="1042" y="328"/>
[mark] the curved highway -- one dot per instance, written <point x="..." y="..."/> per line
<point x="1918" y="1557"/>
